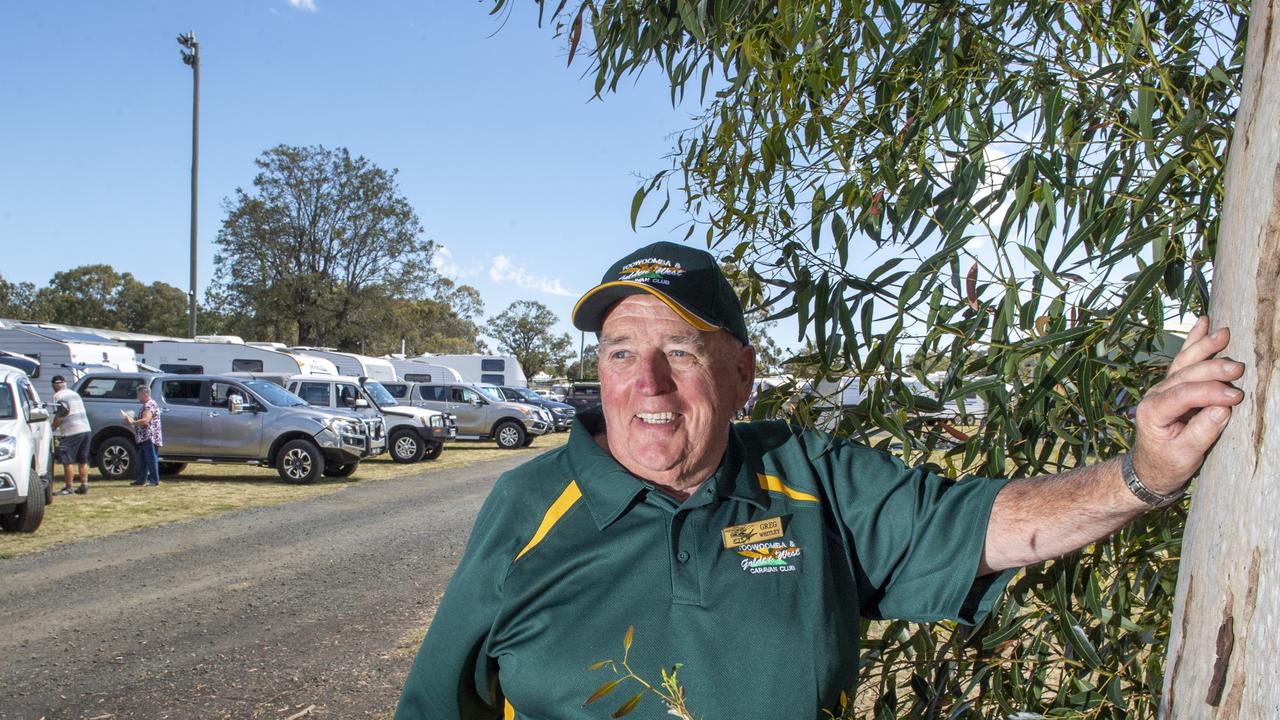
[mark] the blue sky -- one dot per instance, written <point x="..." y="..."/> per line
<point x="511" y="167"/>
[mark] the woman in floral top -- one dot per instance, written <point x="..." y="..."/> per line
<point x="149" y="438"/>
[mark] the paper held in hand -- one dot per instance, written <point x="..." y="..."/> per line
<point x="129" y="415"/>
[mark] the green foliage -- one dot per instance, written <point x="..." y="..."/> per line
<point x="1002" y="201"/>
<point x="97" y="296"/>
<point x="325" y="250"/>
<point x="16" y="299"/>
<point x="524" y="330"/>
<point x="669" y="690"/>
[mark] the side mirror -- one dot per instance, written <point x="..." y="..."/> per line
<point x="361" y="403"/>
<point x="235" y="404"/>
<point x="37" y="415"/>
<point x="477" y="401"/>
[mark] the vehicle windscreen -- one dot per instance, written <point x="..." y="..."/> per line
<point x="275" y="394"/>
<point x="528" y="394"/>
<point x="379" y="394"/>
<point x="8" y="410"/>
<point x="492" y="392"/>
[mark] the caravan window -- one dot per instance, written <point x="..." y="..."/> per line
<point x="493" y="366"/>
<point x="181" y="392"/>
<point x="182" y="369"/>
<point x="246" y="365"/>
<point x="110" y="388"/>
<point x="493" y="379"/>
<point x="418" y="377"/>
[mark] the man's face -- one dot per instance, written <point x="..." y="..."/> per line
<point x="669" y="391"/>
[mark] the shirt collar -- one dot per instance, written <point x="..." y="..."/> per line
<point x="610" y="490"/>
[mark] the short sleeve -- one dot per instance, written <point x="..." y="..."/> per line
<point x="916" y="537"/>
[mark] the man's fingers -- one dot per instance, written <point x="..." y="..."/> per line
<point x="1201" y="348"/>
<point x="1223" y="369"/>
<point x="1169" y="406"/>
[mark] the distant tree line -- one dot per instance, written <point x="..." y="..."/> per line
<point x="322" y="250"/>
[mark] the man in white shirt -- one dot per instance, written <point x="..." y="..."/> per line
<point x="72" y="424"/>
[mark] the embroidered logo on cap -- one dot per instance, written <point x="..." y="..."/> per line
<point x="650" y="269"/>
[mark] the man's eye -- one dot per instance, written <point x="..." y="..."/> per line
<point x="618" y="355"/>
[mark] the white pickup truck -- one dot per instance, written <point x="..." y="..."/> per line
<point x="25" y="462"/>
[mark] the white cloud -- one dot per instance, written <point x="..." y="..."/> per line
<point x="443" y="263"/>
<point x="503" y="271"/>
<point x="308" y="5"/>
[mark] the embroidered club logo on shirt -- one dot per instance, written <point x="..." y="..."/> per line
<point x="651" y="270"/>
<point x="775" y="556"/>
<point x="767" y="529"/>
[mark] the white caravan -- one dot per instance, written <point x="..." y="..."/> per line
<point x="352" y="364"/>
<point x="491" y="369"/>
<point x="64" y="352"/>
<point x="195" y="357"/>
<point x="414" y="370"/>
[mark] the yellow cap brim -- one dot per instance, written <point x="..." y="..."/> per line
<point x="588" y="313"/>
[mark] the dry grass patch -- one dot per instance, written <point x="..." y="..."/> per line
<point x="114" y="506"/>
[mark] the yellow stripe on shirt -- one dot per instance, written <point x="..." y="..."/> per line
<point x="773" y="484"/>
<point x="557" y="510"/>
<point x="508" y="712"/>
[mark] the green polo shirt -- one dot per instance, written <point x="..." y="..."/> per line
<point x="755" y="584"/>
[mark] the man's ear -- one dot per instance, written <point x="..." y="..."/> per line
<point x="746" y="371"/>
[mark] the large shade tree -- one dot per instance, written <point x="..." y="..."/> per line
<point x="318" y="247"/>
<point x="524" y="330"/>
<point x="1027" y="190"/>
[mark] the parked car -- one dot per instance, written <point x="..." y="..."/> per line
<point x="25" y="461"/>
<point x="583" y="394"/>
<point x="561" y="413"/>
<point x="413" y="433"/>
<point x="220" y="419"/>
<point x="478" y="416"/>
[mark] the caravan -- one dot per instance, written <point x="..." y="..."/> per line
<point x="64" y="352"/>
<point x="217" y="357"/>
<point x="490" y="369"/>
<point x="421" y="371"/>
<point x="351" y="364"/>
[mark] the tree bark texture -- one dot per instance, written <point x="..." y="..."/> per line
<point x="1224" y="649"/>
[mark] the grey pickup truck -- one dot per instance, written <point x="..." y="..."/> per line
<point x="218" y="419"/>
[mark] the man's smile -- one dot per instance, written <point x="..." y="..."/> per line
<point x="661" y="418"/>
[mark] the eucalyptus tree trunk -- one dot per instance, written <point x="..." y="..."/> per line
<point x="1224" y="651"/>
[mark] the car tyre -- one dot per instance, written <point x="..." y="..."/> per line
<point x="26" y="518"/>
<point x="406" y="446"/>
<point x="118" y="458"/>
<point x="527" y="441"/>
<point x="341" y="471"/>
<point x="300" y="462"/>
<point x="172" y="468"/>
<point x="434" y="450"/>
<point x="509" y="435"/>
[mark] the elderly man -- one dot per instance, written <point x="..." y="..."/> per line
<point x="748" y="552"/>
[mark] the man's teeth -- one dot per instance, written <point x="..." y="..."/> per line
<point x="656" y="418"/>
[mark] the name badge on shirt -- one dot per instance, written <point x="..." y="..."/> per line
<point x="758" y="531"/>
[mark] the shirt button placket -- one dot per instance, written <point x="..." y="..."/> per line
<point x="685" y="587"/>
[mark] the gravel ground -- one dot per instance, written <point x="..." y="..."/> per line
<point x="305" y="609"/>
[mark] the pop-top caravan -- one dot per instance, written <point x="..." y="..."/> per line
<point x="225" y="355"/>
<point x="352" y="364"/>
<point x="64" y="352"/>
<point x="491" y="369"/>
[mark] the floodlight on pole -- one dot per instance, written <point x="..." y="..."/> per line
<point x="191" y="56"/>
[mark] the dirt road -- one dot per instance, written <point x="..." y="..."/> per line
<point x="260" y="613"/>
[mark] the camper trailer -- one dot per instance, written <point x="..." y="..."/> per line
<point x="421" y="371"/>
<point x="64" y="352"/>
<point x="207" y="357"/>
<point x="491" y="369"/>
<point x="352" y="364"/>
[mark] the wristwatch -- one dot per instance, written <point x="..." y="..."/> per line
<point x="1144" y="493"/>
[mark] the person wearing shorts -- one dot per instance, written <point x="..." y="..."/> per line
<point x="72" y="424"/>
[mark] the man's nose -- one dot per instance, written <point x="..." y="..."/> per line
<point x="654" y="374"/>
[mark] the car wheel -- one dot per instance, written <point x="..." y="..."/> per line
<point x="299" y="462"/>
<point x="509" y="435"/>
<point x="406" y="446"/>
<point x="172" y="468"/>
<point x="433" y="451"/>
<point x="26" y="517"/>
<point x="341" y="471"/>
<point x="527" y="441"/>
<point x="117" y="458"/>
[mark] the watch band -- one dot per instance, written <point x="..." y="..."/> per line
<point x="1144" y="493"/>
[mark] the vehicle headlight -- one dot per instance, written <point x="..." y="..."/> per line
<point x="524" y="409"/>
<point x="8" y="447"/>
<point x="344" y="427"/>
<point x="424" y="421"/>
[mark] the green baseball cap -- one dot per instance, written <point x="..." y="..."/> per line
<point x="689" y="281"/>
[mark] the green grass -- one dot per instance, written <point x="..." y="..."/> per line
<point x="113" y="506"/>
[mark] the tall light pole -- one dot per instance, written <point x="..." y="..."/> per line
<point x="191" y="56"/>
